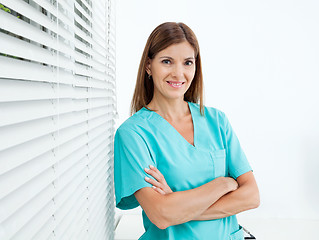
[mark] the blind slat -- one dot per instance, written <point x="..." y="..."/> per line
<point x="22" y="49"/>
<point x="16" y="112"/>
<point x="28" y="11"/>
<point x="21" y="28"/>
<point x="97" y="56"/>
<point x="23" y="90"/>
<point x="27" y="70"/>
<point x="95" y="46"/>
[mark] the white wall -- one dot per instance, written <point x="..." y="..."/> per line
<point x="260" y="66"/>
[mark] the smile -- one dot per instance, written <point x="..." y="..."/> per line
<point x="175" y="84"/>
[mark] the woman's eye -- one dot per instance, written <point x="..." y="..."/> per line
<point x="189" y="63"/>
<point x="166" y="61"/>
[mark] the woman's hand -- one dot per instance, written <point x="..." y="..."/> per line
<point x="160" y="185"/>
<point x="232" y="183"/>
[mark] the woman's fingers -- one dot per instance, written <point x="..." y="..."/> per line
<point x="153" y="182"/>
<point x="159" y="190"/>
<point x="156" y="185"/>
<point x="159" y="182"/>
<point x="153" y="173"/>
<point x="156" y="171"/>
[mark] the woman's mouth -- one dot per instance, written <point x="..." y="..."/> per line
<point x="175" y="84"/>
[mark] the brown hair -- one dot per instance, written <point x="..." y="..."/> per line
<point x="163" y="36"/>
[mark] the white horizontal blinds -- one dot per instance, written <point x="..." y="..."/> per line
<point x="57" y="105"/>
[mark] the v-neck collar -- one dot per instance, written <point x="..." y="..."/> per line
<point x="174" y="129"/>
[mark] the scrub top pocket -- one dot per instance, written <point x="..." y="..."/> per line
<point x="238" y="235"/>
<point x="219" y="161"/>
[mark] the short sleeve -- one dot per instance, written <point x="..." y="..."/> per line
<point x="236" y="159"/>
<point x="131" y="156"/>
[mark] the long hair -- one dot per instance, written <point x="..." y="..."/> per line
<point x="163" y="36"/>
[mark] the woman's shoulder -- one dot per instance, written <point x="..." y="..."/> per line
<point x="137" y="122"/>
<point x="210" y="111"/>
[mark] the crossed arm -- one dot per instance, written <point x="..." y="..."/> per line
<point x="244" y="198"/>
<point x="216" y="199"/>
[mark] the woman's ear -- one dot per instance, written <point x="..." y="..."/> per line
<point x="148" y="66"/>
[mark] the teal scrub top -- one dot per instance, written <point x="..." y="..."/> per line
<point x="146" y="138"/>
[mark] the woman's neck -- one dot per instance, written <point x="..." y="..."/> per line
<point x="170" y="109"/>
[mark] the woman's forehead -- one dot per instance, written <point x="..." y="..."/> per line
<point x="181" y="50"/>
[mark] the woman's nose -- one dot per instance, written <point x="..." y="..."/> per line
<point x="178" y="71"/>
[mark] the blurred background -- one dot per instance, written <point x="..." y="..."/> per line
<point x="260" y="66"/>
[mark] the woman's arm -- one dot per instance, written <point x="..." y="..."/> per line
<point x="180" y="207"/>
<point x="244" y="198"/>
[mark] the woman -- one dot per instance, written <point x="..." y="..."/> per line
<point x="199" y="177"/>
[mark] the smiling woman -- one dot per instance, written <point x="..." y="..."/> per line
<point x="178" y="159"/>
<point x="169" y="38"/>
<point x="172" y="70"/>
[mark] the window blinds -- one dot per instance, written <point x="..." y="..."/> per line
<point x="57" y="110"/>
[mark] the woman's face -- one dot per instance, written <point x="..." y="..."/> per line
<point x="173" y="70"/>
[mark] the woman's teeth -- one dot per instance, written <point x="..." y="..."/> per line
<point x="175" y="84"/>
